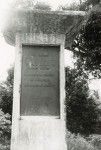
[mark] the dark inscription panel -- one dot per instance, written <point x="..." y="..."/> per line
<point x="40" y="81"/>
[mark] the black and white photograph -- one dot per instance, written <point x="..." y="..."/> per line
<point x="50" y="74"/>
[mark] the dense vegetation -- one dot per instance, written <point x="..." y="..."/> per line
<point x="81" y="108"/>
<point x="6" y="93"/>
<point x="83" y="5"/>
<point x="87" y="44"/>
<point x="6" y="99"/>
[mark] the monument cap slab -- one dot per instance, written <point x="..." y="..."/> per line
<point x="39" y="21"/>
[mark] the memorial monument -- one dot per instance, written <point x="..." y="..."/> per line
<point x="39" y="83"/>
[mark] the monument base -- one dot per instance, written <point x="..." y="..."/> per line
<point x="40" y="133"/>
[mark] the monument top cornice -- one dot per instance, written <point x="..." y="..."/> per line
<point x="39" y="21"/>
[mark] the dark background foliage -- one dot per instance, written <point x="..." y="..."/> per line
<point x="6" y="93"/>
<point x="81" y="108"/>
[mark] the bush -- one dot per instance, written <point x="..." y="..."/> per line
<point x="5" y="131"/>
<point x="4" y="147"/>
<point x="77" y="142"/>
<point x="95" y="140"/>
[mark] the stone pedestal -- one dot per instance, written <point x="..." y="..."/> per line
<point x="39" y="93"/>
<point x="38" y="121"/>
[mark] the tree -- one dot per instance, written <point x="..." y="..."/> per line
<point x="22" y="4"/>
<point x="27" y="4"/>
<point x="42" y="6"/>
<point x="87" y="44"/>
<point x="6" y="93"/>
<point x="81" y="108"/>
<point x="6" y="99"/>
<point x="92" y="2"/>
<point x="83" y="5"/>
<point x="74" y="6"/>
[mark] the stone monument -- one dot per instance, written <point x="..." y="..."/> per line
<point x="39" y="77"/>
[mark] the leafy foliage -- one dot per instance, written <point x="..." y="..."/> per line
<point x="42" y="6"/>
<point x="77" y="142"/>
<point x="23" y="4"/>
<point x="26" y="4"/>
<point x="5" y="126"/>
<point x="74" y="6"/>
<point x="95" y="140"/>
<point x="87" y="44"/>
<point x="6" y="93"/>
<point x="86" y="4"/>
<point x="6" y="98"/>
<point x="5" y="131"/>
<point x="83" y="5"/>
<point x="81" y="109"/>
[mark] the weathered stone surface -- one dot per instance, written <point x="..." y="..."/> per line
<point x="35" y="21"/>
<point x="38" y="131"/>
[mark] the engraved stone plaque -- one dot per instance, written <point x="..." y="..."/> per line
<point x="40" y="81"/>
